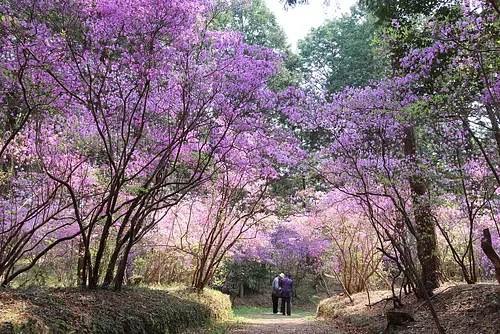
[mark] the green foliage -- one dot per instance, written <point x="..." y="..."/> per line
<point x="293" y="3"/>
<point x="385" y="10"/>
<point x="257" y="23"/>
<point x="251" y="274"/>
<point x="284" y="190"/>
<point x="339" y="53"/>
<point x="289" y="74"/>
<point x="217" y="302"/>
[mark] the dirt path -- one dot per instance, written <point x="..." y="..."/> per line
<point x="268" y="323"/>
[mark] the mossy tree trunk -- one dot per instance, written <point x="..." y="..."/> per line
<point x="424" y="221"/>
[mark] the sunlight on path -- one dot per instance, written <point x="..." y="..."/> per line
<point x="263" y="323"/>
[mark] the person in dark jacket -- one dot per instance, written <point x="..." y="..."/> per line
<point x="276" y="292"/>
<point x="286" y="299"/>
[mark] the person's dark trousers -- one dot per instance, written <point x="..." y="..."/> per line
<point x="285" y="301"/>
<point x="275" y="304"/>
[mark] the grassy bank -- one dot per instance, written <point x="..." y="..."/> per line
<point x="131" y="311"/>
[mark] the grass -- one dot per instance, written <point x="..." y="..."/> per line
<point x="252" y="314"/>
<point x="245" y="310"/>
<point x="242" y="313"/>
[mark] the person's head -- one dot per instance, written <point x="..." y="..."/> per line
<point x="282" y="276"/>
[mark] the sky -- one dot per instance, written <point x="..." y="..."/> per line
<point x="298" y="21"/>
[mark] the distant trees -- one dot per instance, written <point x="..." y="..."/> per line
<point x="257" y="23"/>
<point x="339" y="53"/>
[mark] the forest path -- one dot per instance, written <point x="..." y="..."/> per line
<point x="267" y="323"/>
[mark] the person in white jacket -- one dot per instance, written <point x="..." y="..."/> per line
<point x="276" y="292"/>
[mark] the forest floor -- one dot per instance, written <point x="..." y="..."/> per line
<point x="462" y="309"/>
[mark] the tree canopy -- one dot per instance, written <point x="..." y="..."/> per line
<point x="182" y="141"/>
<point x="339" y="53"/>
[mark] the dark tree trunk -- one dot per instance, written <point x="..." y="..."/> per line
<point x="490" y="252"/>
<point x="120" y="274"/>
<point x="110" y="271"/>
<point x="427" y="244"/>
<point x="81" y="260"/>
<point x="424" y="222"/>
<point x="94" y="279"/>
<point x="241" y="292"/>
<point x="494" y="125"/>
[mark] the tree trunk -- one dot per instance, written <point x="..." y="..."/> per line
<point x="494" y="125"/>
<point x="110" y="271"/>
<point x="81" y="260"/>
<point x="427" y="244"/>
<point x="120" y="274"/>
<point x="490" y="252"/>
<point x="424" y="222"/>
<point x="241" y="292"/>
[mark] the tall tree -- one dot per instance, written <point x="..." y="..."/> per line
<point x="257" y="23"/>
<point x="386" y="10"/>
<point x="339" y="53"/>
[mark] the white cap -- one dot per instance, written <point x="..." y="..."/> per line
<point x="282" y="275"/>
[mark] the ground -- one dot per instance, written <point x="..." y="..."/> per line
<point x="261" y="322"/>
<point x="462" y="309"/>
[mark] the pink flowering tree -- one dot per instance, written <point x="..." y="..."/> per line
<point x="144" y="101"/>
<point x="460" y="69"/>
<point x="232" y="209"/>
<point x="351" y="253"/>
<point x="382" y="141"/>
<point x="462" y="197"/>
<point x="227" y="209"/>
<point x="291" y="245"/>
